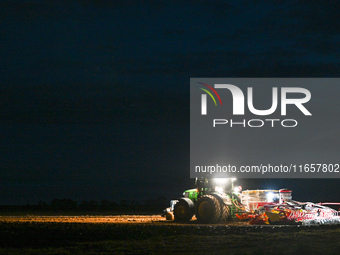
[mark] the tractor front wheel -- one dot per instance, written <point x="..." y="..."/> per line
<point x="184" y="210"/>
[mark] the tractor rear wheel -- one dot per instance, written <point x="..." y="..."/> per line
<point x="184" y="210"/>
<point x="208" y="209"/>
<point x="225" y="213"/>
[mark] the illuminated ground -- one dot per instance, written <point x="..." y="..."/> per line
<point x="149" y="219"/>
<point x="137" y="234"/>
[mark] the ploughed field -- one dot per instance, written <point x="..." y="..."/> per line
<point x="151" y="234"/>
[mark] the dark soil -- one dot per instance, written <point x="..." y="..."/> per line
<point x="160" y="237"/>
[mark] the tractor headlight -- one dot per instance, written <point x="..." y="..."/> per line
<point x="219" y="189"/>
<point x="221" y="181"/>
<point x="270" y="197"/>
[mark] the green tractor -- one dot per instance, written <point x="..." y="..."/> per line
<point x="209" y="202"/>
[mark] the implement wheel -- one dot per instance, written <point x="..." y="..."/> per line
<point x="208" y="209"/>
<point x="184" y="210"/>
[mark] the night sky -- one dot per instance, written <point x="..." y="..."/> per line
<point x="94" y="94"/>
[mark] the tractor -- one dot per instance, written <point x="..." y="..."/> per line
<point x="210" y="202"/>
